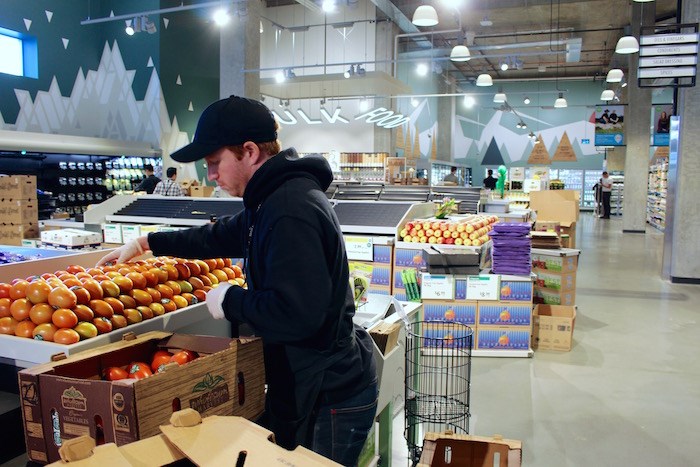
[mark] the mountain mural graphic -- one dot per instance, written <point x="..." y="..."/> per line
<point x="539" y="154"/>
<point x="493" y="155"/>
<point x="565" y="151"/>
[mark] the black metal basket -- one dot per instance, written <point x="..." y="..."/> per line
<point x="438" y="371"/>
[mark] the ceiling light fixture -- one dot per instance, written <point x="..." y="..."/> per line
<point x="485" y="21"/>
<point x="642" y="1"/>
<point x="221" y="17"/>
<point x="500" y="96"/>
<point x="360" y="70"/>
<point x="414" y="102"/>
<point x="460" y="53"/>
<point x="624" y="84"/>
<point x="425" y="15"/>
<point x="328" y="6"/>
<point x="607" y="95"/>
<point x="130" y="30"/>
<point x="469" y="101"/>
<point x="349" y="72"/>
<point x="526" y="101"/>
<point x="627" y="45"/>
<point x="504" y="66"/>
<point x="614" y="76"/>
<point x="421" y="69"/>
<point x="484" y="79"/>
<point x="364" y="105"/>
<point x="560" y="103"/>
<point x="279" y="77"/>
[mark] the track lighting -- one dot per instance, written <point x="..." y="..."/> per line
<point x="289" y="73"/>
<point x="349" y="72"/>
<point x="139" y="24"/>
<point x="360" y="70"/>
<point x="280" y="77"/>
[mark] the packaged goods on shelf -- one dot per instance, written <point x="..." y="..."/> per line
<point x="67" y="398"/>
<point x="553" y="327"/>
<point x="442" y="449"/>
<point x="504" y="314"/>
<point x="547" y="296"/>
<point x="502" y="338"/>
<point x="450" y="311"/>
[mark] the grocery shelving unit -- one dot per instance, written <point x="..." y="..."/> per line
<point x="438" y="170"/>
<point x="617" y="197"/>
<point x="656" y="195"/>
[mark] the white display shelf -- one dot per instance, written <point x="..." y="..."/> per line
<point x="24" y="353"/>
<point x="656" y="196"/>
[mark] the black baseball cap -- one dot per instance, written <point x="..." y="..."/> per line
<point x="229" y="122"/>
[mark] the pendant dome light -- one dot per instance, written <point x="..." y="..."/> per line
<point x="560" y="103"/>
<point x="607" y="95"/>
<point x="500" y="96"/>
<point x="425" y="15"/>
<point x="484" y="79"/>
<point x="460" y="53"/>
<point x="615" y="75"/>
<point x="627" y="45"/>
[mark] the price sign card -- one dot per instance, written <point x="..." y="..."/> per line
<point x="359" y="248"/>
<point x="485" y="287"/>
<point x="437" y="287"/>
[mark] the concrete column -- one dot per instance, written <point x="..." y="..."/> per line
<point x="240" y="50"/>
<point x="681" y="247"/>
<point x="637" y="132"/>
<point x="384" y="139"/>
<point x="445" y="117"/>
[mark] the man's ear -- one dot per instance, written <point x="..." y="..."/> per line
<point x="253" y="151"/>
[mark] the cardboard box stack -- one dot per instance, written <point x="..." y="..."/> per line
<point x="66" y="399"/>
<point x="503" y="324"/>
<point x="556" y="276"/>
<point x="19" y="209"/>
<point x="559" y="206"/>
<point x="443" y="449"/>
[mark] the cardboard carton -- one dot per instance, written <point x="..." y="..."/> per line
<point x="553" y="327"/>
<point x="187" y="185"/>
<point x="450" y="311"/>
<point x="444" y="450"/>
<point x="562" y="261"/>
<point x="14" y="211"/>
<point x="556" y="281"/>
<point x="385" y="335"/>
<point x="558" y="206"/>
<point x="13" y="234"/>
<point x="201" y="191"/>
<point x="554" y="297"/>
<point x="18" y="187"/>
<point x="503" y="337"/>
<point x="215" y="441"/>
<point x="67" y="399"/>
<point x="498" y="313"/>
<point x="70" y="238"/>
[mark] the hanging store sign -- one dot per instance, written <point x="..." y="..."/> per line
<point x="668" y="56"/>
<point x="381" y="117"/>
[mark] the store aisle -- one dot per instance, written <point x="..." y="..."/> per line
<point x="628" y="393"/>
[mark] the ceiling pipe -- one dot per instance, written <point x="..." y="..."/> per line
<point x="197" y="6"/>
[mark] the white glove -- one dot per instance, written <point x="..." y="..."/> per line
<point x="215" y="300"/>
<point x="123" y="254"/>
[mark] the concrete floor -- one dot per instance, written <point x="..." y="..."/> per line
<point x="628" y="393"/>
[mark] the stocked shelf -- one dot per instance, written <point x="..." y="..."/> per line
<point x="656" y="195"/>
<point x="617" y="197"/>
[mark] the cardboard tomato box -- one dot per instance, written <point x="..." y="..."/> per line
<point x="214" y="441"/>
<point x="502" y="337"/>
<point x="504" y="314"/>
<point x="456" y="311"/>
<point x="67" y="399"/>
<point x="442" y="449"/>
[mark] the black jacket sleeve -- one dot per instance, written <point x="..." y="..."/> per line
<point x="223" y="238"/>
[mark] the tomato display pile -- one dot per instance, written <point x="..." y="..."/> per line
<point x="78" y="303"/>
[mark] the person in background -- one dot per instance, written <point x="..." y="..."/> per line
<point x="663" y="125"/>
<point x="606" y="190"/>
<point x="614" y="118"/>
<point x="149" y="183"/>
<point x="169" y="187"/>
<point x="490" y="180"/>
<point x="452" y="176"/>
<point x="321" y="375"/>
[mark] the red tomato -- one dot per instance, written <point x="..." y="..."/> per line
<point x="183" y="356"/>
<point x="115" y="373"/>
<point x="66" y="336"/>
<point x="139" y="370"/>
<point x="5" y="290"/>
<point x="160" y="358"/>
